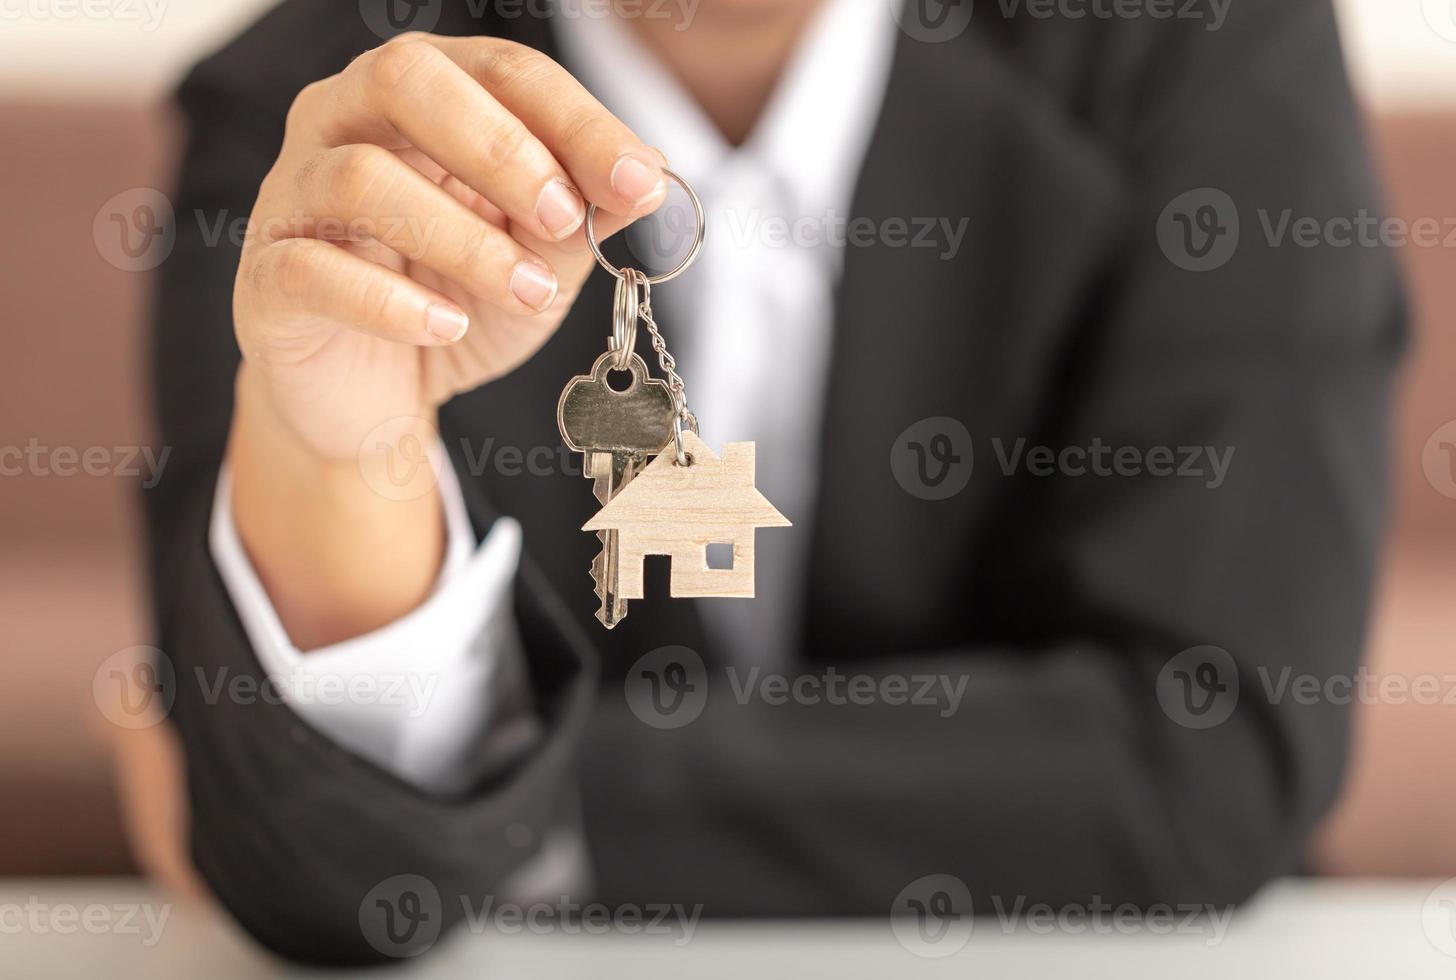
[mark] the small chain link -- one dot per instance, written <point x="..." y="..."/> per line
<point x="685" y="418"/>
<point x="668" y="364"/>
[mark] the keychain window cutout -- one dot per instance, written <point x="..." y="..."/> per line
<point x="720" y="554"/>
<point x="674" y="510"/>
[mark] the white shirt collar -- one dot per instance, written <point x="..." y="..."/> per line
<point x="812" y="136"/>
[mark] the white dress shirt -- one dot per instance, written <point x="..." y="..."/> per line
<point x="750" y="327"/>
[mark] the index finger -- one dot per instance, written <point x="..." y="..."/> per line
<point x="611" y="167"/>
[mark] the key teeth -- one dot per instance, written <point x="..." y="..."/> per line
<point x="601" y="467"/>
<point x="598" y="570"/>
<point x="598" y="589"/>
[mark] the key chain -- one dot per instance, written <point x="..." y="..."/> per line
<point x="663" y="491"/>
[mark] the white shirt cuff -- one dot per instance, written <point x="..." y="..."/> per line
<point x="411" y="696"/>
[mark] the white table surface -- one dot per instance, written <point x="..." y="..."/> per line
<point x="1319" y="930"/>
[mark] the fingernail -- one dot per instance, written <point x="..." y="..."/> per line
<point x="533" y="284"/>
<point x="637" y="182"/>
<point x="559" y="209"/>
<point x="446" y="323"/>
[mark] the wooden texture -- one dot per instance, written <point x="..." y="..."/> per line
<point x="678" y="511"/>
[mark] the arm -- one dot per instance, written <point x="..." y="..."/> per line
<point x="414" y="696"/>
<point x="288" y="828"/>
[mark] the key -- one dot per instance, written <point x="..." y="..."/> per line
<point x="609" y="472"/>
<point x="595" y="416"/>
<point x="616" y="430"/>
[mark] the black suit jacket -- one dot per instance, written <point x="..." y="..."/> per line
<point x="1059" y="600"/>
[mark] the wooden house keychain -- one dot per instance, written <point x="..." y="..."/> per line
<point x="663" y="490"/>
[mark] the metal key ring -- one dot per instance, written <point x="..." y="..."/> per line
<point x="591" y="237"/>
<point x="625" y="305"/>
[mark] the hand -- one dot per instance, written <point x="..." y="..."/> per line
<point x="419" y="234"/>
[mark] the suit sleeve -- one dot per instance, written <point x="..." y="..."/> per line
<point x="290" y="830"/>
<point x="1095" y="760"/>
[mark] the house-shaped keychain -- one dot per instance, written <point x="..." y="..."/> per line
<point x="678" y="511"/>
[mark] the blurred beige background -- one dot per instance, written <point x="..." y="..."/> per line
<point x="81" y="107"/>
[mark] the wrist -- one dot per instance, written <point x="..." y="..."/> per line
<point x="342" y="545"/>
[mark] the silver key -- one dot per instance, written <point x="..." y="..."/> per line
<point x="617" y="431"/>
<point x="609" y="473"/>
<point x="593" y="415"/>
